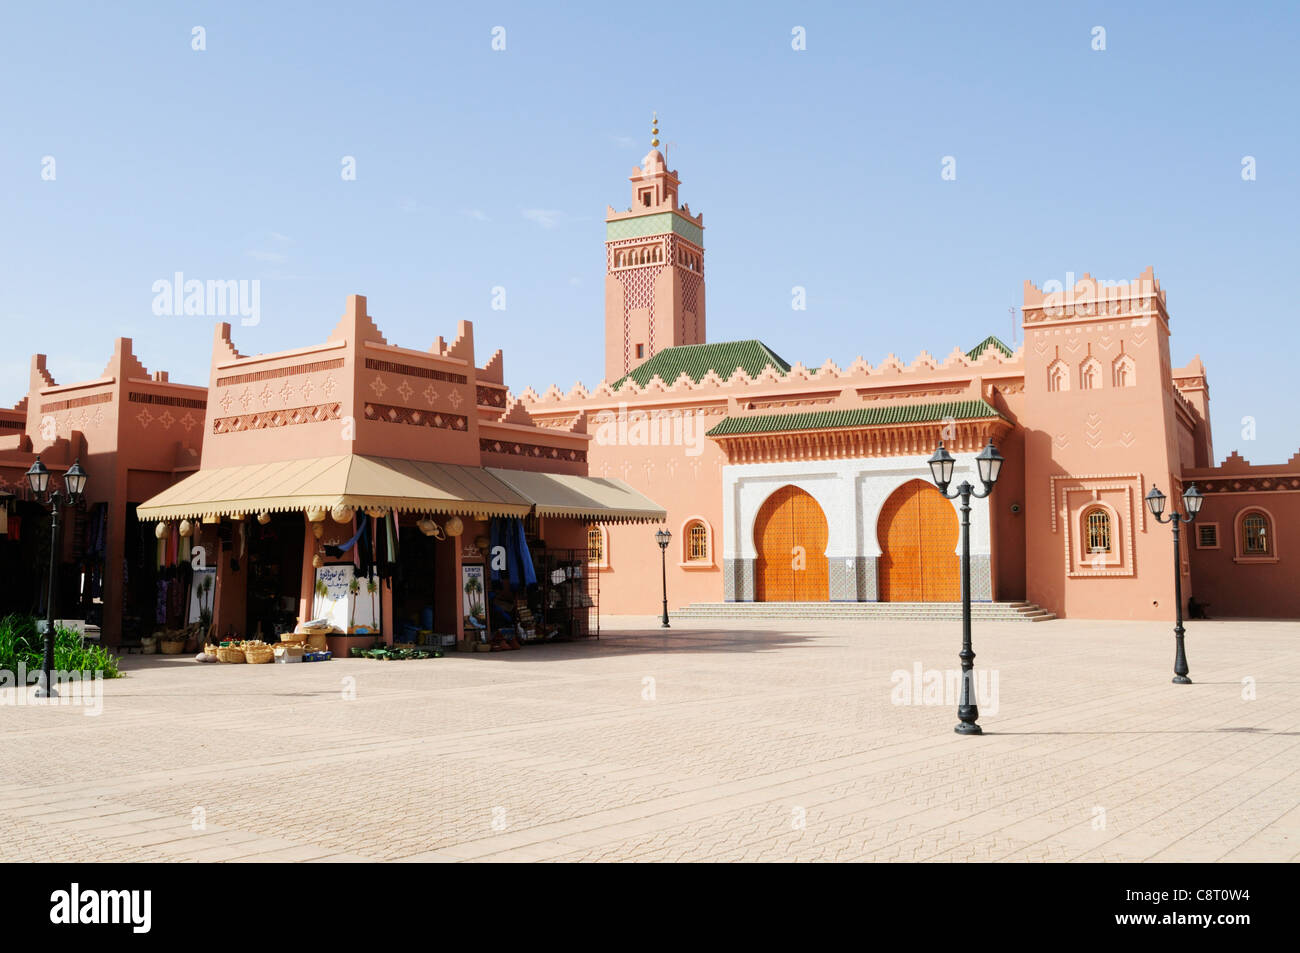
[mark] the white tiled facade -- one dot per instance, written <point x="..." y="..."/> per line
<point x="851" y="493"/>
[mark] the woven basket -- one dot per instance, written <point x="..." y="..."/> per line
<point x="259" y="654"/>
<point x="295" y="637"/>
<point x="171" y="646"/>
<point x="209" y="649"/>
<point x="230" y="653"/>
<point x="317" y="641"/>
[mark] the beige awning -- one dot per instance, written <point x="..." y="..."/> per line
<point x="347" y="480"/>
<point x="598" y="499"/>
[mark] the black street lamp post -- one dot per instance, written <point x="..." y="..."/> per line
<point x="74" y="483"/>
<point x="663" y="537"/>
<point x="989" y="463"/>
<point x="1192" y="500"/>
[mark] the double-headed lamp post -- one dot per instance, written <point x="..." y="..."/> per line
<point x="74" y="484"/>
<point x="989" y="464"/>
<point x="1192" y="500"/>
<point x="663" y="538"/>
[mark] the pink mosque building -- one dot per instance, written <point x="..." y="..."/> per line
<point x="784" y="482"/>
<point x="780" y="482"/>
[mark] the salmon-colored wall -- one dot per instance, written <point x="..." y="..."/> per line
<point x="1105" y="444"/>
<point x="1233" y="582"/>
<point x="132" y="431"/>
<point x="1007" y="502"/>
<point x="686" y="486"/>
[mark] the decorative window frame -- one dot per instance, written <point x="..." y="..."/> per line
<point x="1239" y="555"/>
<point x="1111" y="559"/>
<point x="1123" y="543"/>
<point x="684" y="560"/>
<point x="603" y="564"/>
<point x="1218" y="535"/>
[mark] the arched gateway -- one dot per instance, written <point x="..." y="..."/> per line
<point x="790" y="535"/>
<point x="918" y="534"/>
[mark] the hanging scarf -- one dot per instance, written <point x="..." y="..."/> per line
<point x="525" y="558"/>
<point x="336" y="551"/>
<point x="494" y="540"/>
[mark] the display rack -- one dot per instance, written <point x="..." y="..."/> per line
<point x="569" y="593"/>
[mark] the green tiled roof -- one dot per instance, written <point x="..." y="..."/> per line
<point x="657" y="224"/>
<point x="857" y="417"/>
<point x="991" y="341"/>
<point x="696" y="360"/>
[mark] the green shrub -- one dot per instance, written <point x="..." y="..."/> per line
<point x="21" y="643"/>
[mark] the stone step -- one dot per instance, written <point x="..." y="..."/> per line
<point x="903" y="611"/>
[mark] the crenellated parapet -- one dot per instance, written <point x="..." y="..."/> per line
<point x="1088" y="298"/>
<point x="890" y="373"/>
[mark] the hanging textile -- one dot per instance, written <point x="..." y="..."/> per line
<point x="525" y="558"/>
<point x="494" y="540"/>
<point x="336" y="551"/>
<point x="366" y="548"/>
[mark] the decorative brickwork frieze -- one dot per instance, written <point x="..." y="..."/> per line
<point x="511" y="448"/>
<point x="277" y="372"/>
<point x="71" y="402"/>
<point x="491" y="396"/>
<point x="167" y="400"/>
<point x="393" y="414"/>
<point x="414" y="370"/>
<point x="271" y="419"/>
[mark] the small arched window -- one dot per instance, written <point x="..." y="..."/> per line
<point x="697" y="542"/>
<point x="1124" y="372"/>
<point x="595" y="545"/>
<point x="1058" y="377"/>
<point x="1097" y="530"/>
<point x="1256" y="538"/>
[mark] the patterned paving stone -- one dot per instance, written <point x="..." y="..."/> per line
<point x="715" y="741"/>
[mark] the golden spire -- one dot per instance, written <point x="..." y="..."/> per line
<point x="654" y="131"/>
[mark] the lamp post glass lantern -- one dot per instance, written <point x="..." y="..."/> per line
<point x="663" y="538"/>
<point x="74" y="482"/>
<point x="989" y="466"/>
<point x="1192" y="500"/>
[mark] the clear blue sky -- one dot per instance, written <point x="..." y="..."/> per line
<point x="817" y="168"/>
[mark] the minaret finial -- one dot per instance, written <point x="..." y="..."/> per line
<point x="654" y="131"/>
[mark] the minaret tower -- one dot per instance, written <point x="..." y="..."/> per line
<point x="654" y="270"/>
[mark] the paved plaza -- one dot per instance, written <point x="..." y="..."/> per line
<point x="753" y="741"/>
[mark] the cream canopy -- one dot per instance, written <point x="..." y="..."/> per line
<point x="346" y="480"/>
<point x="392" y="483"/>
<point x="600" y="500"/>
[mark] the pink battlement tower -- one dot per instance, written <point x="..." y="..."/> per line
<point x="654" y="270"/>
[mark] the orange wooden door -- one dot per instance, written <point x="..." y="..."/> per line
<point x="918" y="534"/>
<point x="790" y="536"/>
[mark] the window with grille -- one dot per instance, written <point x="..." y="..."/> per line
<point x="595" y="545"/>
<point x="1207" y="536"/>
<point x="697" y="542"/>
<point x="1254" y="535"/>
<point x="1097" y="523"/>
